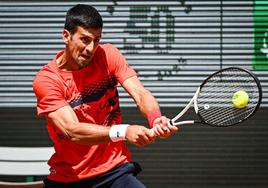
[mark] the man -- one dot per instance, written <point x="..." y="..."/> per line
<point x="77" y="93"/>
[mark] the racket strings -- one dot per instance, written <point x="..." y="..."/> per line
<point x="215" y="99"/>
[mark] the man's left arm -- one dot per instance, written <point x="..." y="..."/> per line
<point x="149" y="107"/>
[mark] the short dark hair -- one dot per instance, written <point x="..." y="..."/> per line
<point x="84" y="16"/>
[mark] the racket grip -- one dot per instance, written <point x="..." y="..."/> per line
<point x="154" y="128"/>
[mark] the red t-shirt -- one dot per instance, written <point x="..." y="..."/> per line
<point x="92" y="93"/>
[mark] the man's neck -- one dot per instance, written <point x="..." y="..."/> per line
<point x="63" y="63"/>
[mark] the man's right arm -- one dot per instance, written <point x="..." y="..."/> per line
<point x="65" y="120"/>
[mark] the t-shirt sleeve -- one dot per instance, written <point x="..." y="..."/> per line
<point x="48" y="93"/>
<point x="118" y="64"/>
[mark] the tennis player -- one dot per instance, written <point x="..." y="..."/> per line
<point x="77" y="94"/>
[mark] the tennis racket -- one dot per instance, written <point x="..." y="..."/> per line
<point x="212" y="100"/>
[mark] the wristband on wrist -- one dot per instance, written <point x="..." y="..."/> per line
<point x="152" y="116"/>
<point x="118" y="132"/>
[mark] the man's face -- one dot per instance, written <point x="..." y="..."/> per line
<point x="81" y="46"/>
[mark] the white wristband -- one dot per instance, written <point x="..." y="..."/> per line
<point x="118" y="132"/>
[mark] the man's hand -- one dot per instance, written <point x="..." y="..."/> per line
<point x="139" y="135"/>
<point x="162" y="128"/>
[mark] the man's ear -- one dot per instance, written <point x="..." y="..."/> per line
<point x="66" y="36"/>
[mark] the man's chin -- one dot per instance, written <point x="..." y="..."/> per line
<point x="83" y="64"/>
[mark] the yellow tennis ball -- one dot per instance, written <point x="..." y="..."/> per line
<point x="240" y="99"/>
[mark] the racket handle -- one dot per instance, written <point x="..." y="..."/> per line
<point x="188" y="122"/>
<point x="154" y="128"/>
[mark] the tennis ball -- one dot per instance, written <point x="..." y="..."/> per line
<point x="240" y="99"/>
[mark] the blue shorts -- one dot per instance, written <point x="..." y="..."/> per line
<point x="119" y="177"/>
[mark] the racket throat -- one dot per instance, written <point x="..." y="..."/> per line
<point x="188" y="122"/>
<point x="195" y="100"/>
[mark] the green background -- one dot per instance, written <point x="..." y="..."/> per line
<point x="260" y="27"/>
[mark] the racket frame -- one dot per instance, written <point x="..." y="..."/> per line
<point x="258" y="86"/>
<point x="194" y="101"/>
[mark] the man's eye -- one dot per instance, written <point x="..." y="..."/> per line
<point x="85" y="40"/>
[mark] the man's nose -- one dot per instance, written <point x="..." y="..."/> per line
<point x="91" y="46"/>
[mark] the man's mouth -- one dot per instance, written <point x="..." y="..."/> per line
<point x="85" y="56"/>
